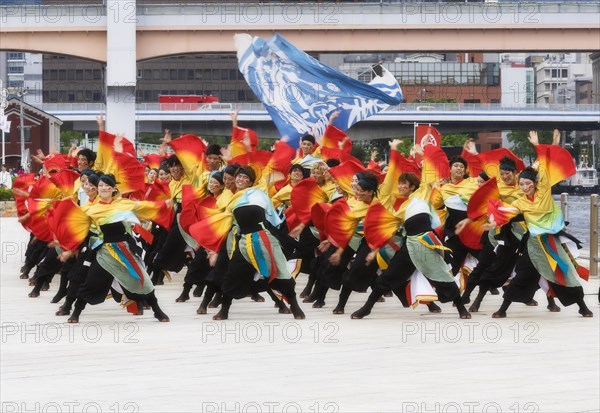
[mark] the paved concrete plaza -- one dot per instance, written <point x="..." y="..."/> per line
<point x="260" y="361"/>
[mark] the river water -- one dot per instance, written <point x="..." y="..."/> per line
<point x="578" y="217"/>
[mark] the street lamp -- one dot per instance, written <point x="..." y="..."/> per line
<point x="4" y="124"/>
<point x="21" y="92"/>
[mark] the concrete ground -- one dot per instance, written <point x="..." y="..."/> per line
<point x="259" y="361"/>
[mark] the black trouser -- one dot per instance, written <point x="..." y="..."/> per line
<point x="399" y="270"/>
<point x="238" y="281"/>
<point x="459" y="253"/>
<point x="500" y="270"/>
<point x="171" y="256"/>
<point x="197" y="270"/>
<point x="360" y="276"/>
<point x="309" y="243"/>
<point x="329" y="275"/>
<point x="523" y="286"/>
<point x="46" y="269"/>
<point x="36" y="249"/>
<point x="486" y="257"/>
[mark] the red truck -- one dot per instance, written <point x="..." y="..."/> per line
<point x="185" y="102"/>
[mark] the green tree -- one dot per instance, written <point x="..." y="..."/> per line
<point x="457" y="139"/>
<point x="521" y="146"/>
<point x="67" y="137"/>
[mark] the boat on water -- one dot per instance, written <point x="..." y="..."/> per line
<point x="585" y="180"/>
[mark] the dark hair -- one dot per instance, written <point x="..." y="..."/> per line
<point x="213" y="149"/>
<point x="308" y="137"/>
<point x="297" y="166"/>
<point x="529" y="173"/>
<point x="367" y="180"/>
<point x="87" y="172"/>
<point x="231" y="169"/>
<point x="172" y="161"/>
<point x="411" y="179"/>
<point x="484" y="176"/>
<point x="457" y="158"/>
<point x="332" y="162"/>
<point x="108" y="179"/>
<point x="93" y="179"/>
<point x="88" y="154"/>
<point x="248" y="171"/>
<point x="218" y="176"/>
<point x="164" y="168"/>
<point x="508" y="164"/>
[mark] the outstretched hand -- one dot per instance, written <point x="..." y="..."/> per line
<point x="470" y="147"/>
<point x="167" y="136"/>
<point x="100" y="122"/>
<point x="533" y="138"/>
<point x="556" y="137"/>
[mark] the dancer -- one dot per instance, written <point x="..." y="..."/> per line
<point x="544" y="255"/>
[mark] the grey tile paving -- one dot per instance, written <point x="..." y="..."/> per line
<point x="259" y="361"/>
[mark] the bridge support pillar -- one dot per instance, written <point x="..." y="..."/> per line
<point x="121" y="69"/>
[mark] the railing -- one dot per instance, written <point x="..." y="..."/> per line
<point x="524" y="8"/>
<point x="405" y="107"/>
<point x="565" y="204"/>
<point x="374" y="7"/>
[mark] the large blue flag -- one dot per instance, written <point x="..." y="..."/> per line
<point x="300" y="93"/>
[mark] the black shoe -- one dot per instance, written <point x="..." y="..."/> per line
<point x="434" y="308"/>
<point x="198" y="291"/>
<point x="216" y="301"/>
<point x="223" y="314"/>
<point x="63" y="311"/>
<point x="360" y="313"/>
<point x="257" y="298"/>
<point x="34" y="293"/>
<point x="59" y="296"/>
<point x="283" y="309"/>
<point x="494" y="291"/>
<point x="183" y="297"/>
<point x="162" y="317"/>
<point x="475" y="306"/>
<point x="338" y="310"/>
<point x="305" y="293"/>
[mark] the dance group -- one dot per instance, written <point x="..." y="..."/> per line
<point x="243" y="221"/>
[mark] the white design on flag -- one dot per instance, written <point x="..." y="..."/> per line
<point x="300" y="93"/>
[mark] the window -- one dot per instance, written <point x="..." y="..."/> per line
<point x="27" y="134"/>
<point x="16" y="69"/>
<point x="16" y="56"/>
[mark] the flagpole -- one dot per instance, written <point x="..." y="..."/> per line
<point x="415" y="133"/>
<point x="3" y="148"/>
